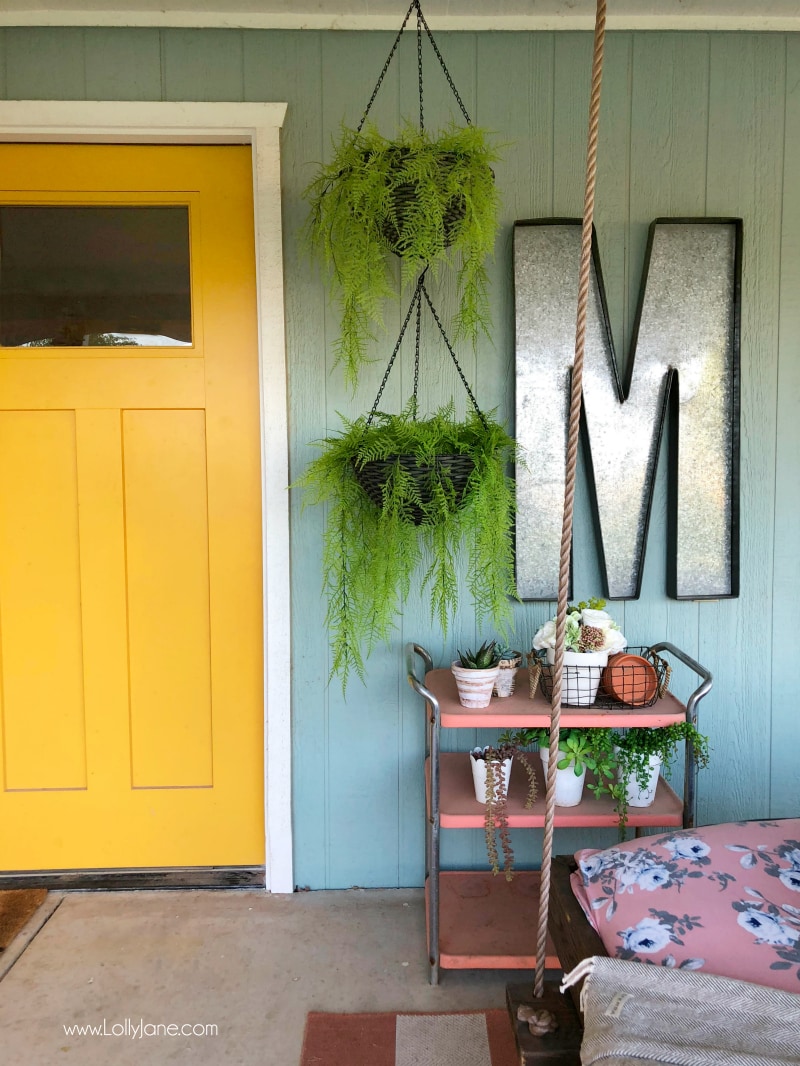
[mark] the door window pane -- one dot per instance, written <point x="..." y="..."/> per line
<point x="94" y="276"/>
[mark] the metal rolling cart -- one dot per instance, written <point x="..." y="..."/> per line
<point x="474" y="919"/>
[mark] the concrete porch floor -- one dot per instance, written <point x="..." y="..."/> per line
<point x="249" y="963"/>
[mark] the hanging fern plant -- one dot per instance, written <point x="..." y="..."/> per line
<point x="430" y="200"/>
<point x="426" y="513"/>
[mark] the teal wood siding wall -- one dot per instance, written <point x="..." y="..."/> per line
<point x="691" y="124"/>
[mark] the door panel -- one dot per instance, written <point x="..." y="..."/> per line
<point x="166" y="533"/>
<point x="41" y="602"/>
<point x="130" y="541"/>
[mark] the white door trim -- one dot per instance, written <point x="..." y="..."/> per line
<point x="224" y="123"/>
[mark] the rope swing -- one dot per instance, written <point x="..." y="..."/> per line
<point x="569" y="492"/>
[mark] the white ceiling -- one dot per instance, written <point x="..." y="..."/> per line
<point x="387" y="14"/>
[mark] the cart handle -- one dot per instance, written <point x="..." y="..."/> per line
<point x="707" y="679"/>
<point x="418" y="686"/>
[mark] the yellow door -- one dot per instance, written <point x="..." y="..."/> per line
<point x="130" y="525"/>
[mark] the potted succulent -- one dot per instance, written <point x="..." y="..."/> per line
<point x="591" y="635"/>
<point x="579" y="750"/>
<point x="491" y="773"/>
<point x="640" y="755"/>
<point x="379" y="526"/>
<point x="475" y="673"/>
<point x="508" y="662"/>
<point x="428" y="199"/>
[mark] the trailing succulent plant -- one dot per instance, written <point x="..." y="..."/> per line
<point x="372" y="551"/>
<point x="632" y="751"/>
<point x="428" y="199"/>
<point x="495" y="823"/>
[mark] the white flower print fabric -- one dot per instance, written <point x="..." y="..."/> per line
<point x="723" y="898"/>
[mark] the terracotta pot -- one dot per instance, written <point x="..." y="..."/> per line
<point x="631" y="679"/>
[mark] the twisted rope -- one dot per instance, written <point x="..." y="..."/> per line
<point x="569" y="491"/>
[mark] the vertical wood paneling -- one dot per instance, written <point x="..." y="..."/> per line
<point x="611" y="215"/>
<point x="691" y="124"/>
<point x="123" y="66"/>
<point x="516" y="76"/>
<point x="366" y="722"/>
<point x="669" y="126"/>
<point x="166" y="544"/>
<point x="745" y="157"/>
<point x="202" y="66"/>
<point x="571" y="82"/>
<point x="47" y="63"/>
<point x="287" y="66"/>
<point x="785" y="769"/>
<point x="3" y="65"/>
<point x="40" y="600"/>
<point x="439" y="383"/>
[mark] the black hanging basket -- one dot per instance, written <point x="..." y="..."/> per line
<point x="405" y="198"/>
<point x="451" y="472"/>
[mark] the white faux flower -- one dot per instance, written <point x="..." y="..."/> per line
<point x="614" y="642"/>
<point x="546" y="636"/>
<point x="613" y="639"/>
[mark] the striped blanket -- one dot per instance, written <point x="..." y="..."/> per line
<point x="637" y="1014"/>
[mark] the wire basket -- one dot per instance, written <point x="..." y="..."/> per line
<point x="405" y="199"/>
<point x="636" y="677"/>
<point x="453" y="471"/>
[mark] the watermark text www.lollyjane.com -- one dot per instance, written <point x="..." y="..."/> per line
<point x="137" y="1030"/>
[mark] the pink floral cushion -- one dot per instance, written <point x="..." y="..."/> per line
<point x="723" y="898"/>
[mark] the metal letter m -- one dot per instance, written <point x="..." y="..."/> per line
<point x="684" y="359"/>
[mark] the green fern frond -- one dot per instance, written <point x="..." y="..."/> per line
<point x="437" y="194"/>
<point x="372" y="554"/>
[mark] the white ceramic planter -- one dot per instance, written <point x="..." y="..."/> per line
<point x="643" y="797"/>
<point x="569" y="788"/>
<point x="479" y="777"/>
<point x="507" y="677"/>
<point x="474" y="686"/>
<point x="582" y="672"/>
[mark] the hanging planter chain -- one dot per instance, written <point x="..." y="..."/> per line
<point x="419" y="290"/>
<point x="450" y="349"/>
<point x="416" y="301"/>
<point x="421" y="24"/>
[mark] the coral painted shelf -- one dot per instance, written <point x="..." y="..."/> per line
<point x="519" y="711"/>
<point x="488" y="923"/>
<point x="458" y="808"/>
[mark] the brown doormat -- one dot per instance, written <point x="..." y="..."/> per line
<point x="480" y="1038"/>
<point x="17" y="905"/>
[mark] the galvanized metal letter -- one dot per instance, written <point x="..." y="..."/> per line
<point x="685" y="344"/>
